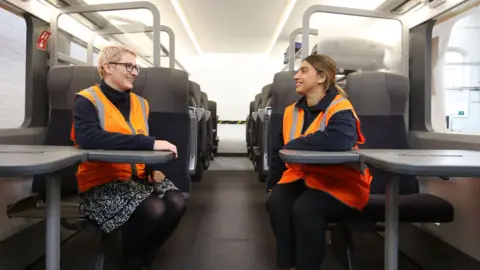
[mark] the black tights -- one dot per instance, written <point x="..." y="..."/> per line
<point x="298" y="217"/>
<point x="151" y="224"/>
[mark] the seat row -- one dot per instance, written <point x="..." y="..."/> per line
<point x="380" y="100"/>
<point x="203" y="115"/>
<point x="179" y="113"/>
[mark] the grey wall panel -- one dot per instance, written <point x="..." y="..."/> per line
<point x="464" y="232"/>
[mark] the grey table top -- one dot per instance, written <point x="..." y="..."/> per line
<point x="20" y="160"/>
<point x="24" y="160"/>
<point x="316" y="157"/>
<point x="419" y="162"/>
<point x="146" y="157"/>
<point x="422" y="162"/>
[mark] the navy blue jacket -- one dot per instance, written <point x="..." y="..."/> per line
<point x="90" y="134"/>
<point x="339" y="135"/>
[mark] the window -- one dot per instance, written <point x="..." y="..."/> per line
<point x="13" y="42"/>
<point x="95" y="59"/>
<point x="78" y="52"/>
<point x="456" y="72"/>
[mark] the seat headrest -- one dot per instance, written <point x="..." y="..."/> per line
<point x="165" y="89"/>
<point x="196" y="92"/>
<point x="283" y="91"/>
<point x="257" y="101"/>
<point x="378" y="93"/>
<point x="63" y="82"/>
<point x="265" y="95"/>
<point x="204" y="98"/>
<point x="353" y="53"/>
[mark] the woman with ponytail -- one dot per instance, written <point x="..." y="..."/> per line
<point x="304" y="198"/>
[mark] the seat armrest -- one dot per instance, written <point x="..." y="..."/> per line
<point x="266" y="140"/>
<point x="200" y="113"/>
<point x="207" y="115"/>
<point x="193" y="145"/>
<point x="254" y="116"/>
<point x="261" y="114"/>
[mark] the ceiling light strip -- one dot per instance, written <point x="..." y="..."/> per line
<point x="283" y="19"/>
<point x="186" y="24"/>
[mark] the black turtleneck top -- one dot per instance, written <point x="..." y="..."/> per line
<point x="90" y="134"/>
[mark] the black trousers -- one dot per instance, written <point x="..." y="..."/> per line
<point x="298" y="217"/>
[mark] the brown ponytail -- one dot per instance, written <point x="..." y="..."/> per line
<point x="325" y="65"/>
<point x="341" y="92"/>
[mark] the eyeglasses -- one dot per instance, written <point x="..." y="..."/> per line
<point x="128" y="66"/>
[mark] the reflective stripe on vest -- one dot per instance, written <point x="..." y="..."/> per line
<point x="323" y="120"/>
<point x="101" y="110"/>
<point x="360" y="167"/>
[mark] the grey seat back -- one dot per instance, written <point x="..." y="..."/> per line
<point x="265" y="95"/>
<point x="209" y="122"/>
<point x="249" y="123"/>
<point x="380" y="100"/>
<point x="201" y="142"/>
<point x="256" y="102"/>
<point x="194" y="91"/>
<point x="212" y="105"/>
<point x="367" y="55"/>
<point x="283" y="95"/>
<point x="204" y="99"/>
<point x="62" y="84"/>
<point x="167" y="92"/>
<point x="283" y="91"/>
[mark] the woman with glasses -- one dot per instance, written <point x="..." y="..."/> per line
<point x="135" y="198"/>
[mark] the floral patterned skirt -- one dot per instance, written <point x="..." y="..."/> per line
<point x="111" y="205"/>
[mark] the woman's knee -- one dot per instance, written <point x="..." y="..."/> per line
<point x="175" y="202"/>
<point x="301" y="211"/>
<point x="276" y="205"/>
<point x="309" y="209"/>
<point x="152" y="208"/>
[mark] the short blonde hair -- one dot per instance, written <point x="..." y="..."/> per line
<point x="112" y="53"/>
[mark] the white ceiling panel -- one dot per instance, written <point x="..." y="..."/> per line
<point x="230" y="26"/>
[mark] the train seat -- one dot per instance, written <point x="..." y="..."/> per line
<point x="263" y="121"/>
<point x="212" y="105"/>
<point x="384" y="128"/>
<point x="380" y="100"/>
<point x="167" y="92"/>
<point x="62" y="84"/>
<point x="248" y="126"/>
<point x="283" y="95"/>
<point x="209" y="129"/>
<point x="200" y="144"/>
<point x="195" y="116"/>
<point x="253" y="127"/>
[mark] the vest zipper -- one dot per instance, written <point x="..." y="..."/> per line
<point x="134" y="168"/>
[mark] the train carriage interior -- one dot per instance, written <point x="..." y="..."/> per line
<point x="218" y="76"/>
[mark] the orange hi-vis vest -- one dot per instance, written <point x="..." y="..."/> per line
<point x="348" y="183"/>
<point x="93" y="173"/>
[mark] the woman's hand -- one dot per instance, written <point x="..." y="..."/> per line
<point x="164" y="145"/>
<point x="156" y="176"/>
